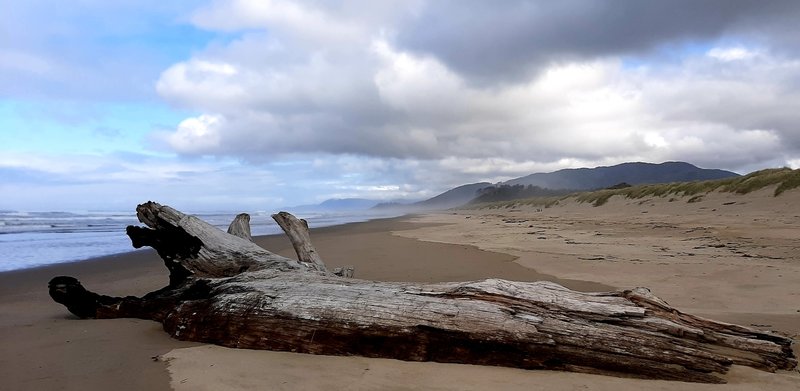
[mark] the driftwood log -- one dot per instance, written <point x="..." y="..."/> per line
<point x="226" y="290"/>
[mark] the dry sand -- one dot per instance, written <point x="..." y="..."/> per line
<point x="728" y="257"/>
<point x="731" y="257"/>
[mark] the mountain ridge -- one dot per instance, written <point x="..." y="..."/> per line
<point x="634" y="173"/>
<point x="569" y="179"/>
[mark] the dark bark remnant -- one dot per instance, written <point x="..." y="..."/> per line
<point x="226" y="290"/>
<point x="345" y="271"/>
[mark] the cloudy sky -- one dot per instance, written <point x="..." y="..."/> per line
<point x="256" y="104"/>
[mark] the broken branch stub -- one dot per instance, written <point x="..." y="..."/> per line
<point x="297" y="231"/>
<point x="240" y="226"/>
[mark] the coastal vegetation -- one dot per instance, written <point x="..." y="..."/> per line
<point x="783" y="179"/>
<point x="512" y="192"/>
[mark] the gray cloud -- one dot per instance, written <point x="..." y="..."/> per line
<point x="510" y="40"/>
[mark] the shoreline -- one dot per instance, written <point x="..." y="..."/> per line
<point x="106" y="257"/>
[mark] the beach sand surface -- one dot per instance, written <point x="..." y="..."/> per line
<point x="728" y="257"/>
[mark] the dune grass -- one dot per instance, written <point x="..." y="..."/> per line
<point x="783" y="178"/>
<point x="540" y="202"/>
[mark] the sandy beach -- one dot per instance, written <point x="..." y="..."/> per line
<point x="728" y="257"/>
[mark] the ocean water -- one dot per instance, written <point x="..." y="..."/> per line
<point x="31" y="239"/>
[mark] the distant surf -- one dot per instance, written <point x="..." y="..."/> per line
<point x="31" y="239"/>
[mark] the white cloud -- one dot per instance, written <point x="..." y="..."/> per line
<point x="286" y="16"/>
<point x="197" y="134"/>
<point x="201" y="83"/>
<point x="422" y="87"/>
<point x="731" y="53"/>
<point x="655" y="140"/>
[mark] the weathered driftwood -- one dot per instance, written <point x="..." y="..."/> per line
<point x="297" y="231"/>
<point x="240" y="226"/>
<point x="226" y="290"/>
